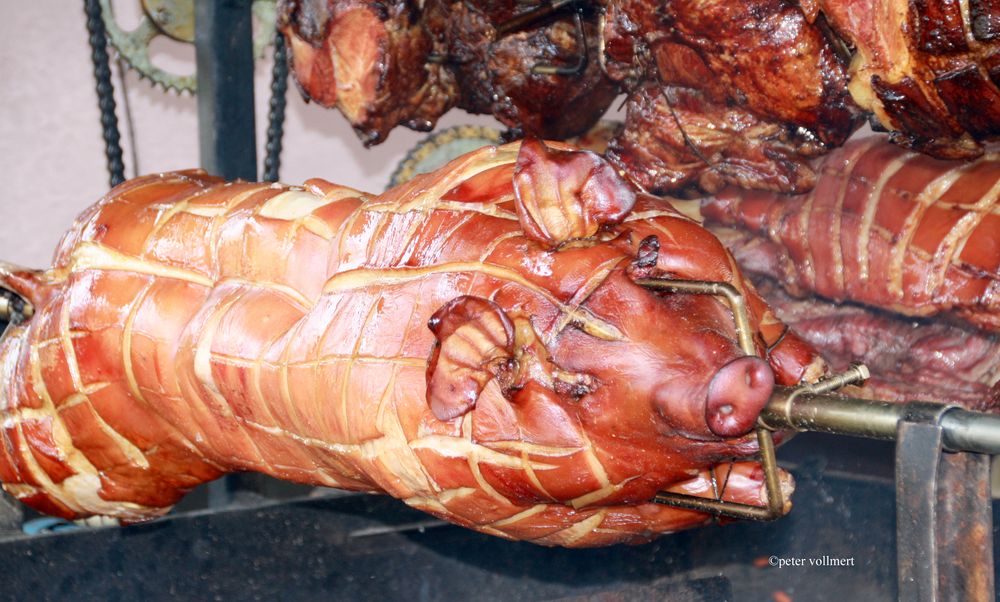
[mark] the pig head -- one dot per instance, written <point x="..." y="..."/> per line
<point x="659" y="391"/>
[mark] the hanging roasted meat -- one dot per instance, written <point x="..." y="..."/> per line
<point x="908" y="236"/>
<point x="544" y="80"/>
<point x="388" y="64"/>
<point x="928" y="70"/>
<point x="909" y="358"/>
<point x="369" y="60"/>
<point x="472" y="342"/>
<point x="724" y="92"/>
<point x="743" y="93"/>
<point x="886" y="227"/>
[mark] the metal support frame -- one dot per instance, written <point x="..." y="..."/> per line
<point x="918" y="453"/>
<point x="224" y="50"/>
<point x="776" y="506"/>
<point x="226" y="134"/>
<point x="965" y="528"/>
<point x="944" y="520"/>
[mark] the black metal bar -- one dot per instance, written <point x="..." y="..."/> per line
<point x="918" y="452"/>
<point x="963" y="430"/>
<point x="224" y="47"/>
<point x="224" y="51"/>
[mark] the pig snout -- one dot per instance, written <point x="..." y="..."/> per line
<point x="736" y="395"/>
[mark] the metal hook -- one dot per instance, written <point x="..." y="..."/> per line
<point x="582" y="56"/>
<point x="532" y="16"/>
<point x="680" y="127"/>
<point x="447" y="59"/>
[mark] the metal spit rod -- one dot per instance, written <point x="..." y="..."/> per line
<point x="963" y="430"/>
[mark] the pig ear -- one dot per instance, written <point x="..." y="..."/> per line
<point x="563" y="195"/>
<point x="475" y="341"/>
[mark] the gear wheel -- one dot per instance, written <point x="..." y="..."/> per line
<point x="174" y="19"/>
<point x="437" y="149"/>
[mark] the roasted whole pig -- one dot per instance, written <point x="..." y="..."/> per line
<point x="916" y="240"/>
<point x="472" y="342"/>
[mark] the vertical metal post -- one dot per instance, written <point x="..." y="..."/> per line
<point x="965" y="529"/>
<point x="224" y="47"/>
<point x="944" y="517"/>
<point x="918" y="453"/>
<point x="227" y="140"/>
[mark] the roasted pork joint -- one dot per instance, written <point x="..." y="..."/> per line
<point x="384" y="64"/>
<point x="885" y="227"/>
<point x="368" y="59"/>
<point x="472" y="342"/>
<point x="723" y="92"/>
<point x="928" y="70"/>
<point x="904" y="248"/>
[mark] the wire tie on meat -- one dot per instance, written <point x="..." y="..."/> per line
<point x="534" y="15"/>
<point x="582" y="56"/>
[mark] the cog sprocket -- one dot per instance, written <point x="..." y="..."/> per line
<point x="174" y="19"/>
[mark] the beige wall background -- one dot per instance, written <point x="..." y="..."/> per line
<point x="51" y="148"/>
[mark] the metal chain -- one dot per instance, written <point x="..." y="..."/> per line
<point x="105" y="91"/>
<point x="276" y="111"/>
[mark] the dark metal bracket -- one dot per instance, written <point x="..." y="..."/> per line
<point x="528" y="18"/>
<point x="226" y="134"/>
<point x="944" y="518"/>
<point x="224" y="53"/>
